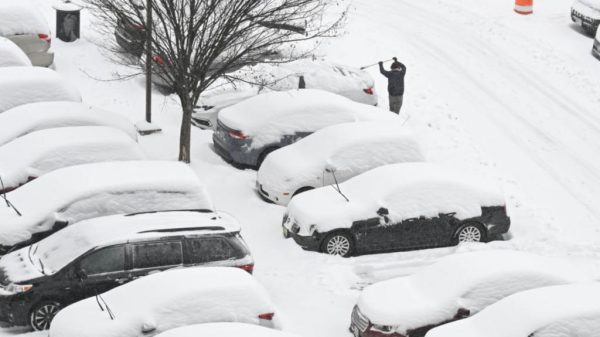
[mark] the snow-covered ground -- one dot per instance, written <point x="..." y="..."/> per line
<point x="510" y="97"/>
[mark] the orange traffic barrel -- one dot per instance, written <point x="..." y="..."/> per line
<point x="524" y="7"/>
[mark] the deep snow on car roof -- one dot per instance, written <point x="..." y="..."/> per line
<point x="27" y="118"/>
<point x="46" y="150"/>
<point x="88" y="234"/>
<point x="530" y="311"/>
<point x="225" y="329"/>
<point x="22" y="85"/>
<point x="21" y="17"/>
<point x="407" y="189"/>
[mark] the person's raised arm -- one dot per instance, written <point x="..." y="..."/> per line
<point x="383" y="71"/>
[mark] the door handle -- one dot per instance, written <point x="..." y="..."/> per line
<point x="121" y="280"/>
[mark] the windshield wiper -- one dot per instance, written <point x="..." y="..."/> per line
<point x="332" y="171"/>
<point x="110" y="313"/>
<point x="8" y="203"/>
<point x="41" y="266"/>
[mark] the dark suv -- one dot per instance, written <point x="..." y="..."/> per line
<point x="103" y="253"/>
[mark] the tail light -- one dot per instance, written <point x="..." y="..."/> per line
<point x="248" y="267"/>
<point x="158" y="60"/>
<point x="45" y="37"/>
<point x="238" y="135"/>
<point x="369" y="91"/>
<point x="136" y="26"/>
<point x="268" y="316"/>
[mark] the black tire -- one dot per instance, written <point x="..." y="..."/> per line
<point x="264" y="155"/>
<point x="42" y="314"/>
<point x="470" y="232"/>
<point x="302" y="190"/>
<point x="338" y="243"/>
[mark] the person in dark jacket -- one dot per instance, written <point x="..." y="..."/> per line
<point x="395" y="84"/>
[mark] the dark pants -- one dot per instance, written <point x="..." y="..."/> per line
<point x="395" y="103"/>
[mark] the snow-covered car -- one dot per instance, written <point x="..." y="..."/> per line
<point x="224" y="330"/>
<point x="76" y="193"/>
<point x="596" y="46"/>
<point x="586" y="13"/>
<point x="22" y="23"/>
<point x="27" y="118"/>
<point x="560" y="311"/>
<point x="103" y="253"/>
<point x="350" y="82"/>
<point x="11" y="55"/>
<point x="22" y="85"/>
<point x="40" y="152"/>
<point x="248" y="131"/>
<point x="345" y="149"/>
<point x="397" y="207"/>
<point x="167" y="300"/>
<point x="455" y="287"/>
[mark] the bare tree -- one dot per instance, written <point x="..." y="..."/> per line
<point x="195" y="42"/>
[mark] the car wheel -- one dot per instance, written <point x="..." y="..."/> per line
<point x="302" y="190"/>
<point x="42" y="314"/>
<point x="470" y="232"/>
<point x="338" y="243"/>
<point x="264" y="155"/>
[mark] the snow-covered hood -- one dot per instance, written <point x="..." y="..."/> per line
<point x="407" y="190"/>
<point x="589" y="8"/>
<point x="469" y="281"/>
<point x="17" y="266"/>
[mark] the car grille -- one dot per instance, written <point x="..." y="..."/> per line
<point x="359" y="320"/>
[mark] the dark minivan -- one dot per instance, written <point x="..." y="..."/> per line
<point x="103" y="253"/>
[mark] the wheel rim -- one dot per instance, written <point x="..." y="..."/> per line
<point x="338" y="245"/>
<point x="42" y="317"/>
<point x="469" y="234"/>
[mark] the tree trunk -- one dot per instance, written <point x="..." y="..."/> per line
<point x="186" y="130"/>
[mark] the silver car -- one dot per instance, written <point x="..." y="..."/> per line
<point x="24" y="25"/>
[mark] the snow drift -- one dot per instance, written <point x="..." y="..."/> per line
<point x="11" y="55"/>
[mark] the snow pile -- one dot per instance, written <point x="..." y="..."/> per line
<point x="88" y="234"/>
<point x="21" y="17"/>
<point x="548" y="312"/>
<point x="168" y="300"/>
<point x="22" y="85"/>
<point x="407" y="190"/>
<point x="27" y="118"/>
<point x="11" y="55"/>
<point x="267" y="117"/>
<point x="43" y="151"/>
<point x="224" y="330"/>
<point x="86" y="191"/>
<point x="469" y="281"/>
<point x="350" y="148"/>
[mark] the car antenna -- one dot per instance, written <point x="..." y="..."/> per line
<point x="332" y="171"/>
<point x="8" y="203"/>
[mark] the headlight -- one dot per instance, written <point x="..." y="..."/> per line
<point x="312" y="229"/>
<point x="13" y="289"/>
<point x="295" y="228"/>
<point x="383" y="328"/>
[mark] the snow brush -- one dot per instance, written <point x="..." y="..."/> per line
<point x="374" y="64"/>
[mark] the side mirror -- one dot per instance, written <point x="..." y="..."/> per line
<point x="383" y="211"/>
<point x="148" y="327"/>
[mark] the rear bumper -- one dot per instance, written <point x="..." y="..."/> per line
<point x="232" y="156"/>
<point x="498" y="228"/>
<point x="41" y="59"/>
<point x="129" y="44"/>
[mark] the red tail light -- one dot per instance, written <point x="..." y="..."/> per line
<point x="238" y="135"/>
<point x="45" y="37"/>
<point x="369" y="91"/>
<point x="248" y="267"/>
<point x="158" y="60"/>
<point x="267" y="316"/>
<point x="136" y="26"/>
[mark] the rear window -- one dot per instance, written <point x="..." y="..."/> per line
<point x="157" y="254"/>
<point x="212" y="249"/>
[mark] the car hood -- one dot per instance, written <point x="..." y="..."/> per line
<point x="17" y="267"/>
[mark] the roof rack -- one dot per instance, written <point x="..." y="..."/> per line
<point x="184" y="229"/>
<point x="172" y="210"/>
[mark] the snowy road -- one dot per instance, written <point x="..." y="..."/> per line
<point x="516" y="98"/>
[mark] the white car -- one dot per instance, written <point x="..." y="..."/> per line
<point x="28" y="157"/>
<point x="248" y="131"/>
<point x="397" y="207"/>
<point x="559" y="311"/>
<point x="22" y="23"/>
<point x="76" y="193"/>
<point x="350" y="82"/>
<point x="11" y="55"/>
<point x="156" y="303"/>
<point x="22" y="85"/>
<point x="586" y="13"/>
<point x="224" y="330"/>
<point x="455" y="287"/>
<point x="334" y="155"/>
<point x="28" y="118"/>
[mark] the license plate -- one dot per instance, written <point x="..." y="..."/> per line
<point x="578" y="21"/>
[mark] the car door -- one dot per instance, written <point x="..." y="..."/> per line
<point x="102" y="270"/>
<point x="422" y="232"/>
<point x="154" y="256"/>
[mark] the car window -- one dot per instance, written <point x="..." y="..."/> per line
<point x="106" y="260"/>
<point x="157" y="254"/>
<point x="210" y="250"/>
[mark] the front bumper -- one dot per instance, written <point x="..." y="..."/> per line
<point x="360" y="326"/>
<point x="271" y="196"/>
<point x="14" y="311"/>
<point x="41" y="59"/>
<point x="311" y="243"/>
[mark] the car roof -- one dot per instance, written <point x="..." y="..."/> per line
<point x="21" y="17"/>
